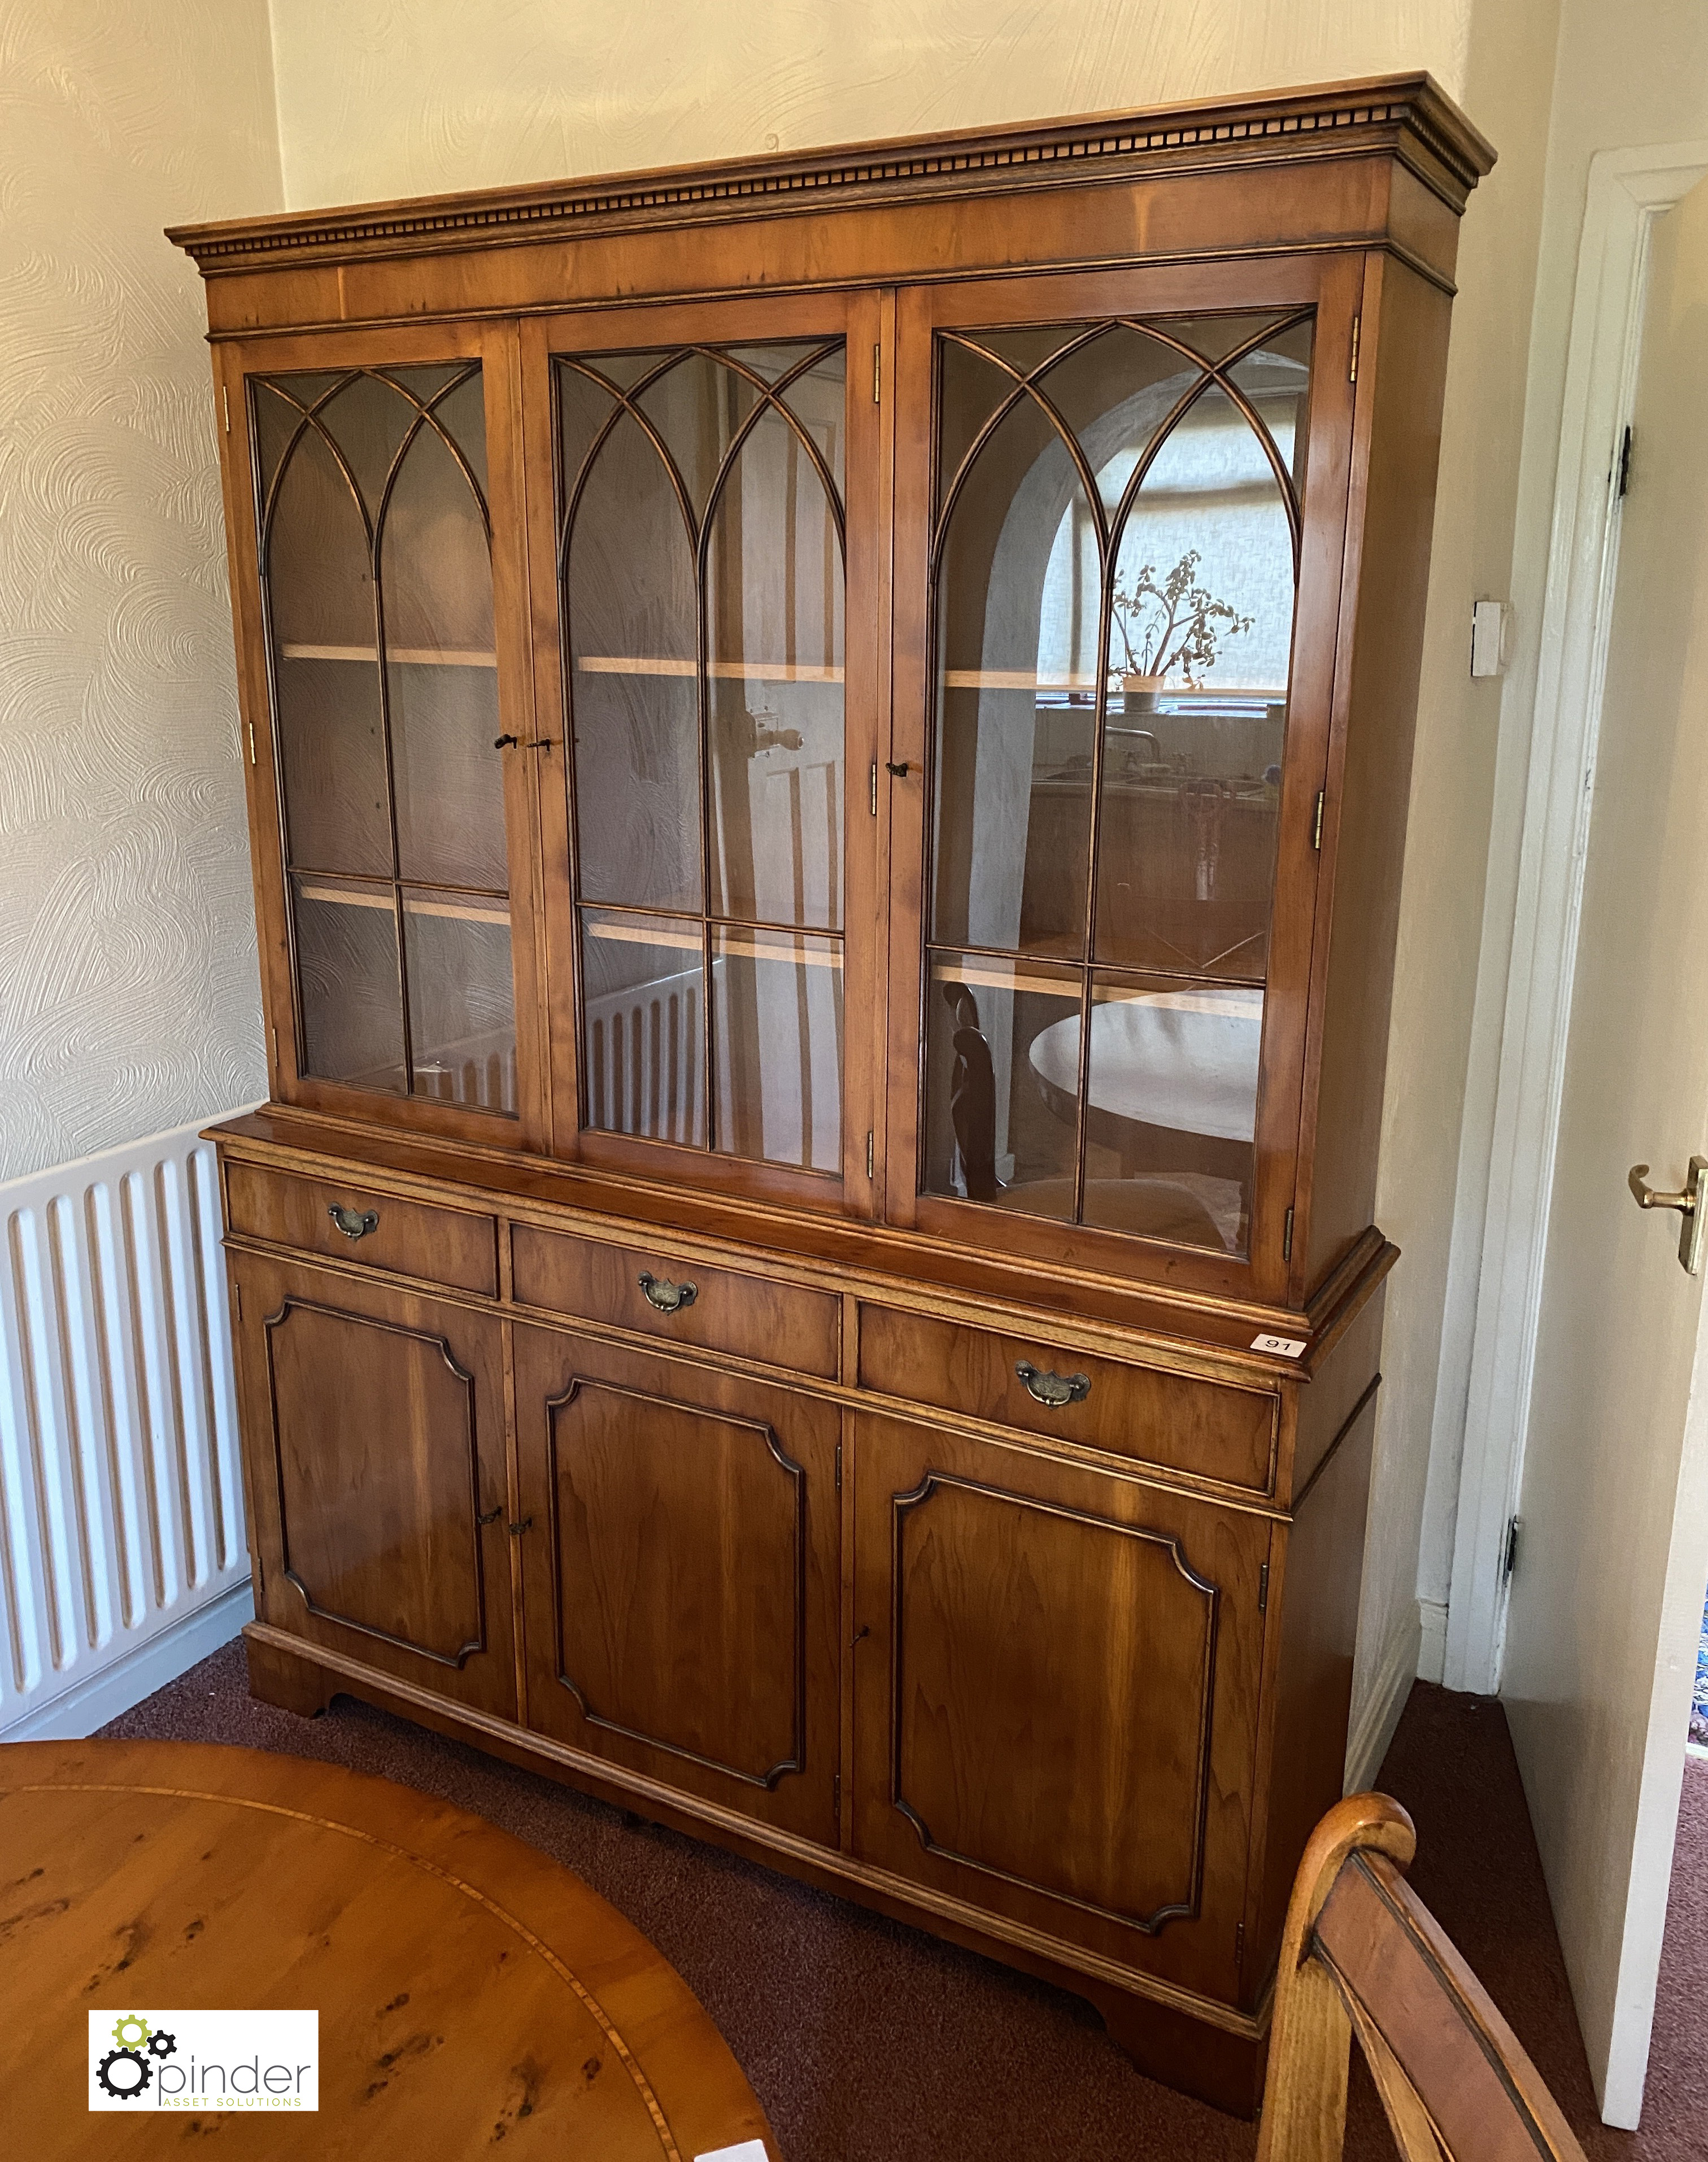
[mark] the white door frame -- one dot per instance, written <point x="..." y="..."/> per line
<point x="1628" y="189"/>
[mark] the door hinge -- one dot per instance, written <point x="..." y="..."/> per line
<point x="252" y="742"/>
<point x="225" y="399"/>
<point x="1352" y="371"/>
<point x="839" y="1467"/>
<point x="237" y="1298"/>
<point x="274" y="1033"/>
<point x="1317" y="819"/>
<point x="1263" y="1588"/>
<point x="875" y="788"/>
<point x="1509" y="1551"/>
<point x="1624" y="464"/>
<point x="1286" y="1236"/>
<point x="877" y="375"/>
<point x="1239" y="1945"/>
<point x="836" y="1794"/>
<point x="871" y="1155"/>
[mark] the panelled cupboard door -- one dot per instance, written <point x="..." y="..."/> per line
<point x="680" y="1575"/>
<point x="710" y="642"/>
<point x="373" y="1429"/>
<point x="1120" y="510"/>
<point x="378" y="554"/>
<point x="1056" y="1678"/>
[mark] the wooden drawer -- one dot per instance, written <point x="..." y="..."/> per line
<point x="440" y="1246"/>
<point x="751" y="1317"/>
<point x="1216" y="1431"/>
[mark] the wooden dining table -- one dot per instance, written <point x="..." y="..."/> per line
<point x="473" y="1996"/>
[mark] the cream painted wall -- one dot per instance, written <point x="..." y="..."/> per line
<point x="378" y="97"/>
<point x="129" y="995"/>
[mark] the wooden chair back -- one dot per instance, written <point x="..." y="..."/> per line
<point x="1362" y="1954"/>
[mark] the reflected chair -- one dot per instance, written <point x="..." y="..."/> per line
<point x="1362" y="1954"/>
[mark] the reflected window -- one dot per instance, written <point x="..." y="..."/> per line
<point x="1116" y="554"/>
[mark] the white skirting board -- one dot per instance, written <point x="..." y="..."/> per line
<point x="1375" y="1719"/>
<point x="123" y="1556"/>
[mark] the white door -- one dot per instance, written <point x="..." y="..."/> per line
<point x="1606" y="1598"/>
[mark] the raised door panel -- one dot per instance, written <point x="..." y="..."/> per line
<point x="1056" y="1696"/>
<point x="375" y="1432"/>
<point x="680" y="1575"/>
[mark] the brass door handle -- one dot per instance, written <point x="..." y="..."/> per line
<point x="1053" y="1390"/>
<point x="666" y="1297"/>
<point x="1692" y="1204"/>
<point x="354" y="1223"/>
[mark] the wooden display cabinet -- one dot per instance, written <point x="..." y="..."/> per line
<point x="828" y="744"/>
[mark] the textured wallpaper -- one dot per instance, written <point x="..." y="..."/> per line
<point x="129" y="1000"/>
<point x="389" y="97"/>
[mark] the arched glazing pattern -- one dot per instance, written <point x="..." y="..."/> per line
<point x="1116" y="564"/>
<point x="702" y="576"/>
<point x="376" y="574"/>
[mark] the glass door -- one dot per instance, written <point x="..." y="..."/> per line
<point x="1111" y="536"/>
<point x="714" y="880"/>
<point x="375" y="521"/>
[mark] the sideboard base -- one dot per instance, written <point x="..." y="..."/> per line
<point x="1191" y="2045"/>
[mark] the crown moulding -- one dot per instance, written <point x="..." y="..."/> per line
<point x="1408" y="116"/>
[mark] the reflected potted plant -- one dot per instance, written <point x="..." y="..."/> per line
<point x="1175" y="624"/>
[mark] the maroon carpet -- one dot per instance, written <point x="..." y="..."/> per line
<point x="868" y="2042"/>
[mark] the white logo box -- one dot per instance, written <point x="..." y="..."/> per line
<point x="144" y="2059"/>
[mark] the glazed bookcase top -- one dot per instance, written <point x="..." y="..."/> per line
<point x="868" y="687"/>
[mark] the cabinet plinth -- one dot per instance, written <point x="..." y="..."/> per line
<point x="829" y="742"/>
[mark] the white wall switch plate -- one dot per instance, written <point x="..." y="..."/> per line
<point x="1488" y="637"/>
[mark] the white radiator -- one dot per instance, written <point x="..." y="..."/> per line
<point x="123" y="1559"/>
<point x="643" y="1053"/>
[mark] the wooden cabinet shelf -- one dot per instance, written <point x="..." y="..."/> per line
<point x="399" y="656"/>
<point x="828" y="968"/>
<point x="731" y="671"/>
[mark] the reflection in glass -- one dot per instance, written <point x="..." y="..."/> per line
<point x="774" y="610"/>
<point x="441" y="671"/>
<point x="1171" y="1104"/>
<point x="348" y="983"/>
<point x="462" y="1014"/>
<point x="995" y="1132"/>
<point x="332" y="728"/>
<point x="703" y="601"/>
<point x="630" y="607"/>
<point x="1116" y="565"/>
<point x="377" y="579"/>
<point x="643" y="1027"/>
<point x="776" y="1026"/>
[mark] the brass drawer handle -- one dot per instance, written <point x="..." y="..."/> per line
<point x="666" y="1297"/>
<point x="1053" y="1390"/>
<point x="354" y="1223"/>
